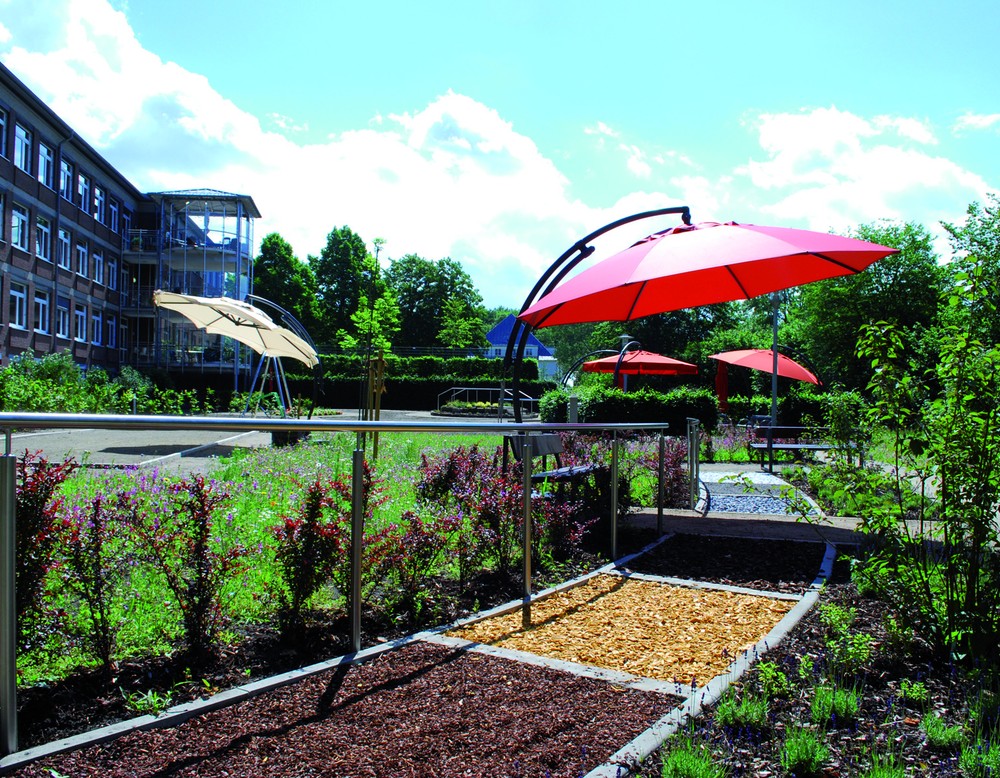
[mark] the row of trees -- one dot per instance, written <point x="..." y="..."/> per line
<point x="346" y="300"/>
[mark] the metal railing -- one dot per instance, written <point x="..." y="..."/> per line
<point x="493" y="395"/>
<point x="9" y="422"/>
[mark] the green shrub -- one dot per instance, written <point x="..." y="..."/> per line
<point x="834" y="704"/>
<point x="940" y="735"/>
<point x="747" y="712"/>
<point x="773" y="682"/>
<point x="803" y="752"/>
<point x="691" y="761"/>
<point x="980" y="760"/>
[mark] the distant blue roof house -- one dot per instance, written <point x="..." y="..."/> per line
<point x="499" y="335"/>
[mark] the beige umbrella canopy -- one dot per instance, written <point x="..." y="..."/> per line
<point x="240" y="321"/>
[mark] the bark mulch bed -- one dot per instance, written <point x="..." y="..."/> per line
<point x="422" y="710"/>
<point x="649" y="629"/>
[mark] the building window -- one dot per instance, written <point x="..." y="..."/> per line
<point x="19" y="226"/>
<point x="83" y="189"/>
<point x="43" y="239"/>
<point x="62" y="317"/>
<point x="65" y="256"/>
<point x="42" y="312"/>
<point x="18" y="306"/>
<point x="96" y="327"/>
<point x="2" y="228"/>
<point x="3" y="133"/>
<point x="82" y="266"/>
<point x="113" y="215"/>
<point x="80" y="317"/>
<point x="22" y="148"/>
<point x="98" y="268"/>
<point x="111" y="328"/>
<point x="100" y="203"/>
<point x="46" y="165"/>
<point x="66" y="179"/>
<point x="112" y="274"/>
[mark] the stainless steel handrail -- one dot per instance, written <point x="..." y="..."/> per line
<point x="12" y="421"/>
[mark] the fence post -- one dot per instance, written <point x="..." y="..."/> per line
<point x="526" y="502"/>
<point x="614" y="495"/>
<point x="693" y="460"/>
<point x="357" y="539"/>
<point x="659" y="484"/>
<point x="8" y="605"/>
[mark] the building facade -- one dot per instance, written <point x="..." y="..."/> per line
<point x="82" y="250"/>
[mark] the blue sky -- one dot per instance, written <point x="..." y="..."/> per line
<point x="499" y="133"/>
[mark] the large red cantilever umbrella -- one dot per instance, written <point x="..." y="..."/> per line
<point x="700" y="264"/>
<point x="759" y="359"/>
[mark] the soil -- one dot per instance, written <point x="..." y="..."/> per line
<point x="432" y="711"/>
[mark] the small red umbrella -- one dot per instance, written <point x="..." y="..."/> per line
<point x="700" y="264"/>
<point x="757" y="359"/>
<point x="640" y="363"/>
<point x="763" y="359"/>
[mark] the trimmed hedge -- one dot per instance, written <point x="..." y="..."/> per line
<point x="461" y="369"/>
<point x="404" y="394"/>
<point x="600" y="404"/>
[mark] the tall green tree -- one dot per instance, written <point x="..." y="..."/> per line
<point x="461" y="326"/>
<point x="902" y="289"/>
<point x="344" y="272"/>
<point x="422" y="288"/>
<point x="281" y="277"/>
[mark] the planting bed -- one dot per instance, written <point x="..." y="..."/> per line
<point x="423" y="710"/>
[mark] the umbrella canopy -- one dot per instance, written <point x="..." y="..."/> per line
<point x="240" y="321"/>
<point x="700" y="264"/>
<point x="640" y="363"/>
<point x="763" y="359"/>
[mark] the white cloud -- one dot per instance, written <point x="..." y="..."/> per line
<point x="828" y="168"/>
<point x="976" y="122"/>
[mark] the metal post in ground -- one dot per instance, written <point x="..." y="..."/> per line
<point x="8" y="607"/>
<point x="614" y="495"/>
<point x="693" y="460"/>
<point x="659" y="484"/>
<point x="357" y="539"/>
<point x="526" y="602"/>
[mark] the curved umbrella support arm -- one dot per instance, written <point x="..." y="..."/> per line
<point x="575" y="366"/>
<point x="621" y="356"/>
<point x="569" y="259"/>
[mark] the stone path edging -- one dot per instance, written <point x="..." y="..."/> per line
<point x="623" y="762"/>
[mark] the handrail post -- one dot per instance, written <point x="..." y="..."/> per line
<point x="8" y="605"/>
<point x="694" y="461"/>
<point x="614" y="495"/>
<point x="526" y="503"/>
<point x="661" y="470"/>
<point x="357" y="540"/>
